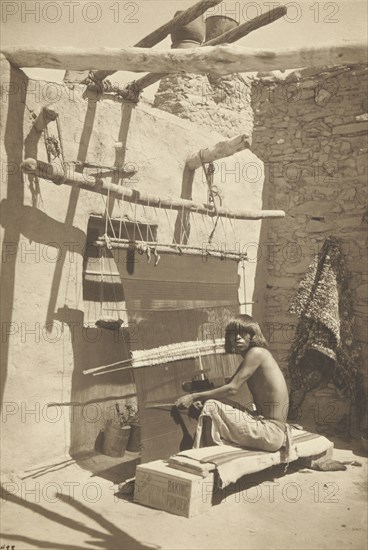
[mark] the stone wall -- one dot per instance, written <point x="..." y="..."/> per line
<point x="221" y="104"/>
<point x="310" y="130"/>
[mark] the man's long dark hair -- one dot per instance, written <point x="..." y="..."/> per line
<point x="244" y="324"/>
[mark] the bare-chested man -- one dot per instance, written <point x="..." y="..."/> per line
<point x="224" y="423"/>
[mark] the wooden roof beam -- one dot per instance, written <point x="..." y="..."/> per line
<point x="220" y="59"/>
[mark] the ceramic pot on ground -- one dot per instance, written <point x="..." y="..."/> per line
<point x="116" y="438"/>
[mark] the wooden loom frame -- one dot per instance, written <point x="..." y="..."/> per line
<point x="211" y="58"/>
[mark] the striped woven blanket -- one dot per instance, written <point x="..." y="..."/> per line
<point x="232" y="462"/>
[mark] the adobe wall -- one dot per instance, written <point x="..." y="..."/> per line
<point x="49" y="406"/>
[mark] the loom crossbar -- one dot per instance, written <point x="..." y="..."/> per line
<point x="53" y="173"/>
<point x="207" y="250"/>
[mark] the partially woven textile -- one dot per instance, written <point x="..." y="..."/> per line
<point x="324" y="335"/>
<point x="177" y="352"/>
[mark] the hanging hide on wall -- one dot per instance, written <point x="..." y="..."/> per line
<point x="324" y="346"/>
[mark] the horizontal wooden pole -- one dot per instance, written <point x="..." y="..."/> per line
<point x="222" y="59"/>
<point x="208" y="249"/>
<point x="55" y="174"/>
<point x="220" y="150"/>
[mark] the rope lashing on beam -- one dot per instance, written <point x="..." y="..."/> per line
<point x="130" y="93"/>
<point x="212" y="193"/>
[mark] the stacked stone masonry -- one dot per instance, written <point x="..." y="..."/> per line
<point x="310" y="130"/>
<point x="221" y="104"/>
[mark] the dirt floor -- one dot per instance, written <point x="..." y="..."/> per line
<point x="70" y="508"/>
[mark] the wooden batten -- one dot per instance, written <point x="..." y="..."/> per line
<point x="221" y="60"/>
<point x="56" y="175"/>
<point x="220" y="150"/>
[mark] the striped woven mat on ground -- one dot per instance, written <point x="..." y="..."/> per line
<point x="304" y="444"/>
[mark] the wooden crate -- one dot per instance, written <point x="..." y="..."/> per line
<point x="164" y="488"/>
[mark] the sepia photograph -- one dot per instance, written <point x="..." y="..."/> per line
<point x="184" y="275"/>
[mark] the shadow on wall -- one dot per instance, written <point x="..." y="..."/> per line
<point x="72" y="206"/>
<point x="106" y="535"/>
<point x="260" y="276"/>
<point x="18" y="219"/>
<point x="93" y="398"/>
<point x="13" y="142"/>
